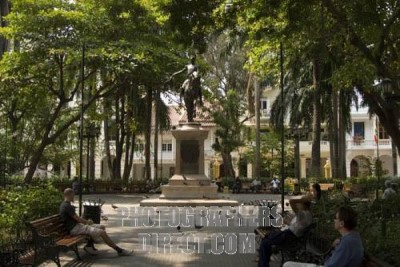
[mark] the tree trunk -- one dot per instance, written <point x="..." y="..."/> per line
<point x="131" y="134"/>
<point x="147" y="133"/>
<point x="107" y="137"/>
<point x="4" y="11"/>
<point x="341" y="138"/>
<point x="258" y="137"/>
<point x="35" y="159"/>
<point x="316" y="142"/>
<point x="120" y="134"/>
<point x="156" y="131"/>
<point x="228" y="166"/>
<point x="333" y="133"/>
<point x="129" y="150"/>
<point x="249" y="94"/>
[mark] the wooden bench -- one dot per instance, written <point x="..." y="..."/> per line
<point x="357" y="190"/>
<point x="49" y="237"/>
<point x="245" y="187"/>
<point x="291" y="249"/>
<point x="326" y="186"/>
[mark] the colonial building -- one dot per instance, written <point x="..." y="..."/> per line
<point x="360" y="144"/>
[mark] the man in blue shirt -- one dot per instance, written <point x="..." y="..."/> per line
<point x="348" y="250"/>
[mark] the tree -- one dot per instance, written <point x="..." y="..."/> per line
<point x="271" y="153"/>
<point x="229" y="128"/>
<point x="368" y="34"/>
<point x="44" y="74"/>
<point x="224" y="89"/>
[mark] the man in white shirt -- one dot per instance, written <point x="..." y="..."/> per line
<point x="389" y="190"/>
<point x="255" y="185"/>
<point x="275" y="185"/>
<point x="297" y="225"/>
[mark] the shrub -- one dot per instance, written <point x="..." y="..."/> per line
<point x="19" y="205"/>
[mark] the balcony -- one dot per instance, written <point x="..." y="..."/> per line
<point x="307" y="145"/>
<point x="368" y="144"/>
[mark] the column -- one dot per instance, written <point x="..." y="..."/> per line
<point x="249" y="170"/>
<point x="303" y="166"/>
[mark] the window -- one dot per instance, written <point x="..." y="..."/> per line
<point x="264" y="107"/>
<point x="166" y="147"/>
<point x="359" y="130"/>
<point x="382" y="132"/>
<point x="263" y="104"/>
<point x="139" y="147"/>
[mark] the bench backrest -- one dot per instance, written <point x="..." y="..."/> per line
<point x="49" y="225"/>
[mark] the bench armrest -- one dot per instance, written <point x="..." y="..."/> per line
<point x="45" y="240"/>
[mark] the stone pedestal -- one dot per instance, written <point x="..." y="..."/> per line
<point x="189" y="186"/>
<point x="189" y="181"/>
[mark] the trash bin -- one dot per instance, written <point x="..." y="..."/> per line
<point x="92" y="210"/>
<point x="226" y="189"/>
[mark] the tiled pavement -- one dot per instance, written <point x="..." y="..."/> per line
<point x="128" y="237"/>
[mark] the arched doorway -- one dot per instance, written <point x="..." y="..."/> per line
<point x="360" y="166"/>
<point x="387" y="165"/>
<point x="242" y="167"/>
<point x="353" y="168"/>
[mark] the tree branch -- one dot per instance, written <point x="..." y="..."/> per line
<point x="355" y="40"/>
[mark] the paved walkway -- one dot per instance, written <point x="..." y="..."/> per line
<point x="130" y="238"/>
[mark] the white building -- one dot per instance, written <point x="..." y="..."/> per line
<point x="360" y="144"/>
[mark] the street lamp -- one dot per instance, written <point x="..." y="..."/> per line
<point x="282" y="127"/>
<point x="90" y="132"/>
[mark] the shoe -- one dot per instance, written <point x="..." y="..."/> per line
<point x="125" y="252"/>
<point x="90" y="250"/>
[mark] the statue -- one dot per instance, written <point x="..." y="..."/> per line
<point x="190" y="90"/>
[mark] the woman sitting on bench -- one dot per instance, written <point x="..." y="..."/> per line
<point x="297" y="225"/>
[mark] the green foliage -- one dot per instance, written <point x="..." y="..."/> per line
<point x="227" y="118"/>
<point x="20" y="205"/>
<point x="378" y="223"/>
<point x="271" y="152"/>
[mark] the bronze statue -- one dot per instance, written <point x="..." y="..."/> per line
<point x="191" y="88"/>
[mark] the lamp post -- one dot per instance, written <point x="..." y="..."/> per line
<point x="282" y="128"/>
<point x="81" y="128"/>
<point x="90" y="132"/>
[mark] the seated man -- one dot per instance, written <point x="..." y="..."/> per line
<point x="79" y="226"/>
<point x="389" y="191"/>
<point x="297" y="225"/>
<point x="349" y="250"/>
<point x="275" y="185"/>
<point x="255" y="185"/>
<point x="237" y="186"/>
<point x="218" y="182"/>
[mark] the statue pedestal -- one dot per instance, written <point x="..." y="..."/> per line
<point x="189" y="186"/>
<point x="189" y="180"/>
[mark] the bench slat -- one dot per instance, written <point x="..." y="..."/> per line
<point x="69" y="241"/>
<point x="44" y="221"/>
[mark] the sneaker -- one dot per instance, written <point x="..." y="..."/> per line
<point x="90" y="250"/>
<point x="125" y="252"/>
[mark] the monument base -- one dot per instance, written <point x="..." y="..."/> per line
<point x="191" y="186"/>
<point x="158" y="202"/>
